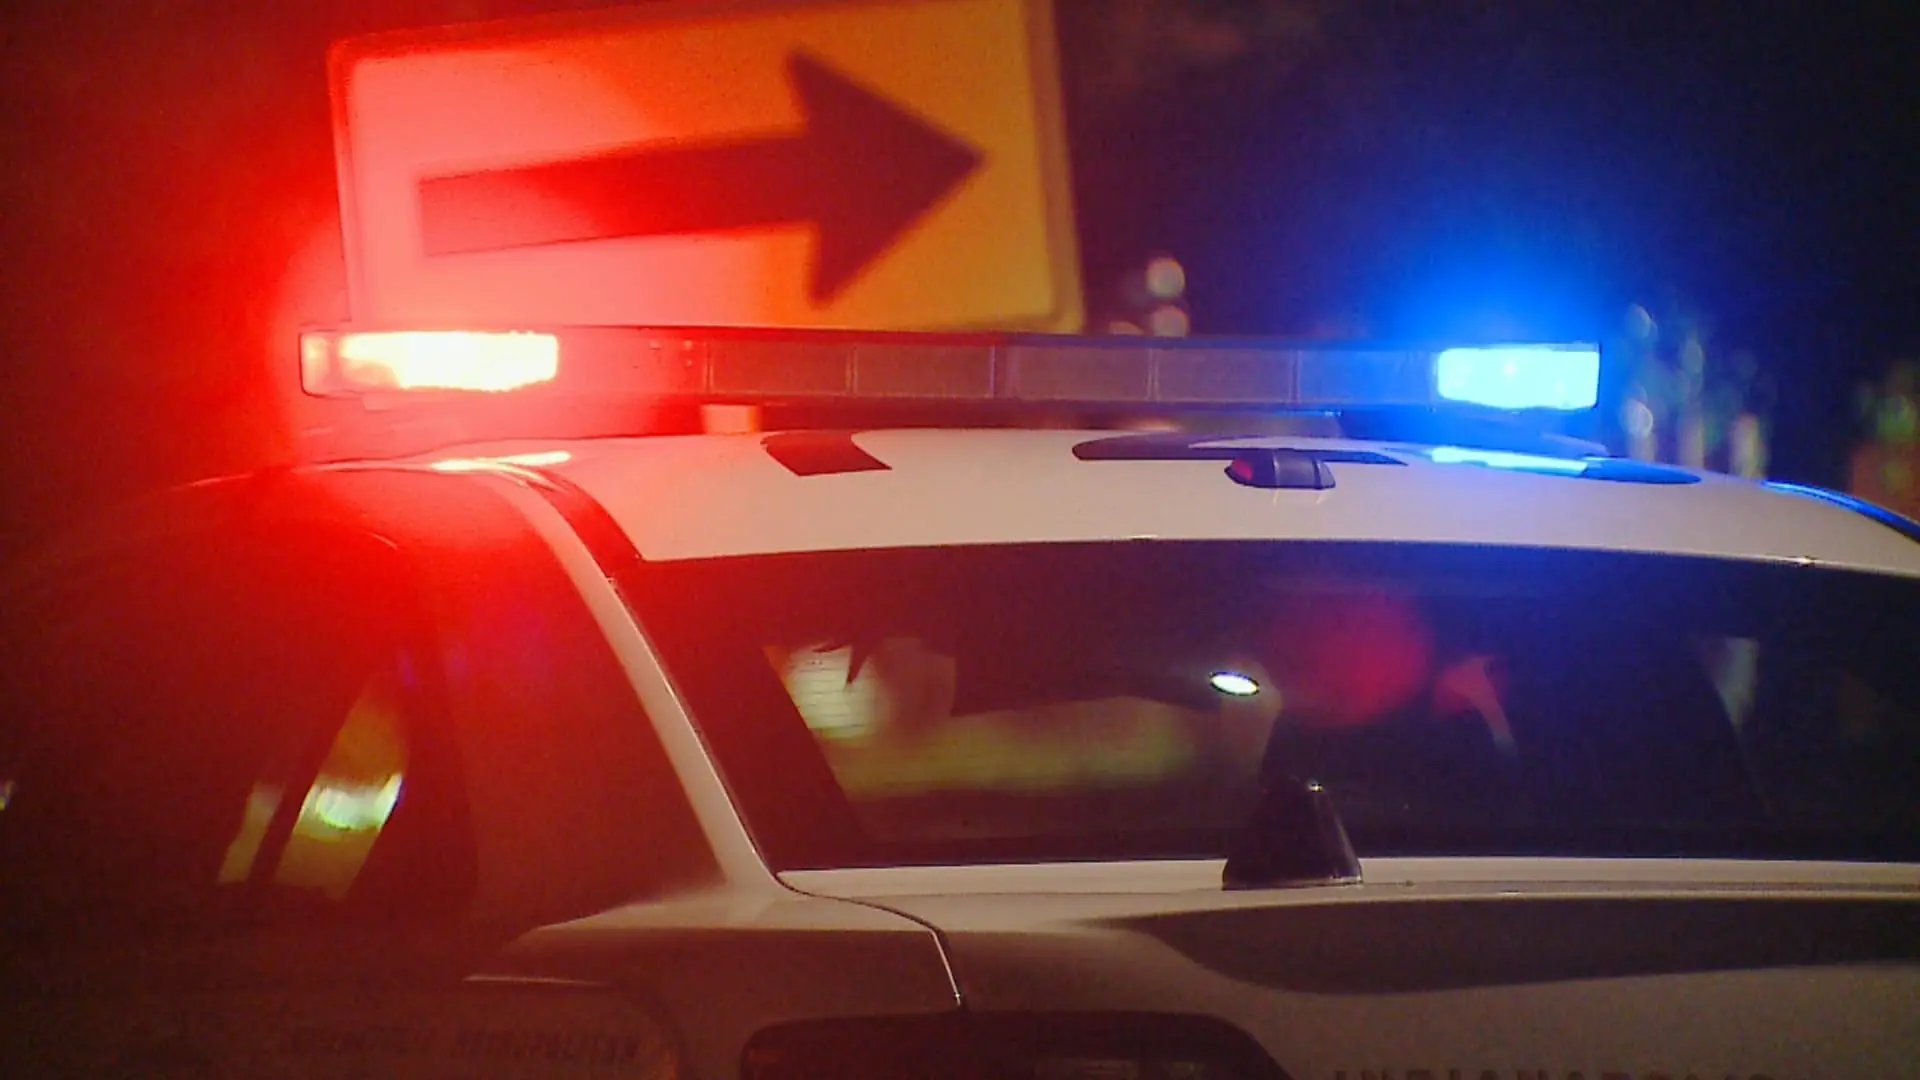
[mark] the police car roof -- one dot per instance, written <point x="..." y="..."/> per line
<point x="686" y="497"/>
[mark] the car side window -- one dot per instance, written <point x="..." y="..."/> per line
<point x="223" y="725"/>
<point x="341" y="811"/>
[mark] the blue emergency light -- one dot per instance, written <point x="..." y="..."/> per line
<point x="805" y="367"/>
<point x="1559" y="377"/>
<point x="1505" y="459"/>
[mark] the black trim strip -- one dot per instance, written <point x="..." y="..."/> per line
<point x="820" y="453"/>
<point x="968" y="1042"/>
<point x="606" y="542"/>
<point x="1455" y="944"/>
<point x="1180" y="446"/>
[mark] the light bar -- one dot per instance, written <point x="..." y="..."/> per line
<point x="456" y="360"/>
<point x="1561" y="377"/>
<point x="817" y="367"/>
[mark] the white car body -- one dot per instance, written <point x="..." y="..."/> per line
<point x="1430" y="968"/>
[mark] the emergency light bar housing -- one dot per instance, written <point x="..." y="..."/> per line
<point x="772" y="366"/>
<point x="472" y="384"/>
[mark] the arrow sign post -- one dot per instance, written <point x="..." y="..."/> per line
<point x="861" y="172"/>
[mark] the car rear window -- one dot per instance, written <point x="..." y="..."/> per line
<point x="1120" y="700"/>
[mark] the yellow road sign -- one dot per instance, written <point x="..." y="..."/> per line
<point x="890" y="164"/>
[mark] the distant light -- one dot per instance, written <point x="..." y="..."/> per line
<point x="1640" y="324"/>
<point x="535" y="460"/>
<point x="1500" y="459"/>
<point x="445" y="360"/>
<point x="1747" y="447"/>
<point x="1565" y="377"/>
<point x="1233" y="683"/>
<point x="1166" y="279"/>
<point x="1169" y="320"/>
<point x="1637" y="418"/>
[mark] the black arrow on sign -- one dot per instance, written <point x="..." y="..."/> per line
<point x="861" y="172"/>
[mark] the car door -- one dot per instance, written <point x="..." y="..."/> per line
<point x="235" y="825"/>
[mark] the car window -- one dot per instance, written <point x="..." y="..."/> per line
<point x="216" y="725"/>
<point x="341" y="811"/>
<point x="1076" y="701"/>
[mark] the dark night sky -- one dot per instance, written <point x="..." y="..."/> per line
<point x="1416" y="167"/>
<point x="1555" y="162"/>
<point x="1445" y="168"/>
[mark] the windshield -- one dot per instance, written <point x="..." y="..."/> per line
<point x="1063" y="702"/>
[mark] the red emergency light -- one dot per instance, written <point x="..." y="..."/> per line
<point x="340" y="364"/>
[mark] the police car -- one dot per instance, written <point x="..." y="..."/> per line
<point x="1397" y="735"/>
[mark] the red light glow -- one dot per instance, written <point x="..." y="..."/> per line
<point x="445" y="360"/>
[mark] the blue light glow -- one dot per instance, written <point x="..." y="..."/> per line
<point x="1500" y="459"/>
<point x="1233" y="683"/>
<point x="1565" y="377"/>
